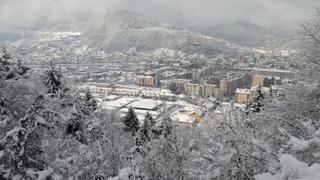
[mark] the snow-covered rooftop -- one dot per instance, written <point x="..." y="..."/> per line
<point x="182" y="118"/>
<point x="118" y="103"/>
<point x="243" y="91"/>
<point x="147" y="104"/>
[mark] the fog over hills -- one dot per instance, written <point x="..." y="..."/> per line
<point x="244" y="33"/>
<point x="123" y="30"/>
<point x="120" y="31"/>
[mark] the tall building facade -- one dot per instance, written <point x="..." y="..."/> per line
<point x="148" y="79"/>
<point x="243" y="96"/>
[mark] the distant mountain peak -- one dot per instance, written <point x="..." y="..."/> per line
<point x="120" y="31"/>
<point x="242" y="32"/>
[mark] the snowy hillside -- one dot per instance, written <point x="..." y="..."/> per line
<point x="243" y="33"/>
<point x="123" y="30"/>
<point x="120" y="31"/>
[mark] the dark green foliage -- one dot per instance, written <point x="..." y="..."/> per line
<point x="8" y="69"/>
<point x="53" y="80"/>
<point x="90" y="101"/>
<point x="131" y="122"/>
<point x="151" y="129"/>
<point x="143" y="134"/>
<point x="24" y="144"/>
<point x="74" y="127"/>
<point x="166" y="127"/>
<point x="89" y="105"/>
<point x="255" y="104"/>
<point x="149" y="120"/>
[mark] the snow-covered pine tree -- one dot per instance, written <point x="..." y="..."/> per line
<point x="89" y="104"/>
<point x="168" y="150"/>
<point x="90" y="101"/>
<point x="5" y="65"/>
<point x="255" y="104"/>
<point x="166" y="126"/>
<point x="141" y="138"/>
<point x="131" y="122"/>
<point x="23" y="145"/>
<point x="137" y="153"/>
<point x="53" y="80"/>
<point x="150" y="129"/>
<point x="10" y="68"/>
<point x="145" y="132"/>
<point x="11" y="109"/>
<point x="79" y="110"/>
<point x="74" y="127"/>
<point x="82" y="117"/>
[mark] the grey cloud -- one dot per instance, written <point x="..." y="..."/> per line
<point x="273" y="13"/>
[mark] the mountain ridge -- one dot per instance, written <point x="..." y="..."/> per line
<point x="243" y="33"/>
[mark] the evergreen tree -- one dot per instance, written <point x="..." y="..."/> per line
<point x="74" y="127"/>
<point x="149" y="120"/>
<point x="53" y="80"/>
<point x="131" y="122"/>
<point x="89" y="105"/>
<point x="255" y="104"/>
<point x="24" y="143"/>
<point x="76" y="109"/>
<point x="90" y="101"/>
<point x="10" y="68"/>
<point x="4" y="66"/>
<point x="151" y="131"/>
<point x="166" y="126"/>
<point x="11" y="133"/>
<point x="143" y="134"/>
<point x="140" y="139"/>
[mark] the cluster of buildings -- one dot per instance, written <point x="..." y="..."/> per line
<point x="105" y="90"/>
<point x="219" y="85"/>
<point x="266" y="81"/>
<point x="182" y="113"/>
<point x="229" y="84"/>
<point x="266" y="60"/>
<point x="148" y="79"/>
<point x="142" y="80"/>
<point x="267" y="84"/>
<point x="150" y="84"/>
<point x="202" y="90"/>
<point x="213" y="82"/>
<point x="154" y="101"/>
<point x="188" y="116"/>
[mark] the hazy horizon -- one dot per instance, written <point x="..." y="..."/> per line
<point x="281" y="14"/>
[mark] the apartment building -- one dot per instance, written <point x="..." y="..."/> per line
<point x="147" y="79"/>
<point x="268" y="81"/>
<point x="242" y="96"/>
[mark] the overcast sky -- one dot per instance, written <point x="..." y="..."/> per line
<point x="285" y="14"/>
